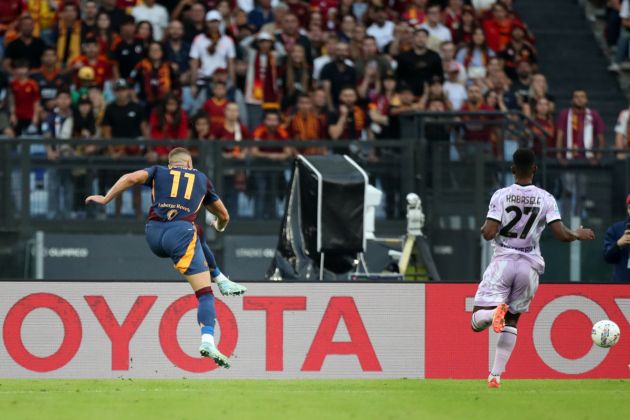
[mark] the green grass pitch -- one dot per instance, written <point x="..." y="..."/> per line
<point x="313" y="399"/>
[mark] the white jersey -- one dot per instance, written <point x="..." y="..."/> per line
<point x="523" y="212"/>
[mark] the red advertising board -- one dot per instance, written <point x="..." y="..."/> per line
<point x="301" y="330"/>
<point x="554" y="339"/>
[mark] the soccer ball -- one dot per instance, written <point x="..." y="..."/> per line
<point x="605" y="333"/>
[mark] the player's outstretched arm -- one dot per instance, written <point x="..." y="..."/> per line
<point x="490" y="229"/>
<point x="124" y="183"/>
<point x="223" y="217"/>
<point x="564" y="234"/>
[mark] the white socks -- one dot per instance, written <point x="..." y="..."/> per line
<point x="207" y="338"/>
<point x="505" y="345"/>
<point x="220" y="278"/>
<point x="482" y="319"/>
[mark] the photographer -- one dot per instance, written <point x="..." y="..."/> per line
<point x="616" y="248"/>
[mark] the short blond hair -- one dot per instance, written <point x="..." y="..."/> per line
<point x="176" y="154"/>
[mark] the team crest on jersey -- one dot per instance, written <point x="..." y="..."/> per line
<point x="170" y="215"/>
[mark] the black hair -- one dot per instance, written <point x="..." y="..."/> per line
<point x="524" y="161"/>
<point x="128" y="20"/>
<point x="19" y="63"/>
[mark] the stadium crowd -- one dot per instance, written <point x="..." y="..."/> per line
<point x="271" y="70"/>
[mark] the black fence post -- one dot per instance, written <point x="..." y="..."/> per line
<point x="25" y="176"/>
<point x="5" y="183"/>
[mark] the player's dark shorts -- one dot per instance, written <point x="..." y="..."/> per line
<point x="179" y="241"/>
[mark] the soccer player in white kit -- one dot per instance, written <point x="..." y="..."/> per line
<point x="516" y="218"/>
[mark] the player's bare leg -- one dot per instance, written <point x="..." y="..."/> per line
<point x="206" y="314"/>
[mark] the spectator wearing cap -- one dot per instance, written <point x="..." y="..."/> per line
<point x="84" y="82"/>
<point x="24" y="98"/>
<point x="155" y="76"/>
<point x="261" y="86"/>
<point x="382" y="29"/>
<point x="498" y="28"/>
<point x="91" y="58"/>
<point x="517" y="50"/>
<point x="338" y="74"/>
<point x="123" y="119"/>
<point x="454" y="89"/>
<point x="50" y="79"/>
<point x="290" y="36"/>
<point x="154" y="13"/>
<point x="211" y="51"/>
<point x="438" y="33"/>
<point x="26" y="46"/>
<point x="261" y="15"/>
<point x="418" y="66"/>
<point x="129" y="50"/>
<point x="617" y="249"/>
<point x="68" y="34"/>
<point x="294" y="78"/>
<point x="369" y="54"/>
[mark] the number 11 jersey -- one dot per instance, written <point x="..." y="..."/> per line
<point x="178" y="193"/>
<point x="523" y="212"/>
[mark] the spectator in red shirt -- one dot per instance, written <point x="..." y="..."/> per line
<point x="231" y="129"/>
<point x="579" y="127"/>
<point x="167" y="122"/>
<point x="304" y="125"/>
<point x="543" y="128"/>
<point x="91" y="58"/>
<point x="215" y="106"/>
<point x="498" y="29"/>
<point x="474" y="129"/>
<point x="25" y="96"/>
<point x="105" y="35"/>
<point x="269" y="185"/>
<point x="300" y="10"/>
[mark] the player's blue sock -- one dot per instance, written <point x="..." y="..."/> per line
<point x="215" y="272"/>
<point x="206" y="312"/>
